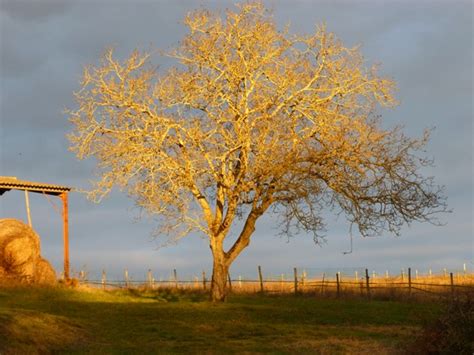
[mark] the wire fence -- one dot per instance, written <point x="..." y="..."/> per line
<point x="337" y="284"/>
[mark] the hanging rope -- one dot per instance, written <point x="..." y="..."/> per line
<point x="52" y="203"/>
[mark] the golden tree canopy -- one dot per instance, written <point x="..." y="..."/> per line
<point x="251" y="117"/>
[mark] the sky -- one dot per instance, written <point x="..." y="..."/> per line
<point x="425" y="46"/>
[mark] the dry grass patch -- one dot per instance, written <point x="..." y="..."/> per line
<point x="24" y="331"/>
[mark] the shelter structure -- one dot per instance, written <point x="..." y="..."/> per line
<point x="8" y="183"/>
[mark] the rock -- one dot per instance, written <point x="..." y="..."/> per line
<point x="20" y="258"/>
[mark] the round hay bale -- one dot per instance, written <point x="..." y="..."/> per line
<point x="20" y="258"/>
<point x="45" y="273"/>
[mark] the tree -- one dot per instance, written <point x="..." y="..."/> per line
<point x="251" y="119"/>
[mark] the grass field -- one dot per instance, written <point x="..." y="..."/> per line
<point x="65" y="320"/>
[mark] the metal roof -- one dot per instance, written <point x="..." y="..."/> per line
<point x="8" y="183"/>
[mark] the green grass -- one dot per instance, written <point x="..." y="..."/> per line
<point x="62" y="320"/>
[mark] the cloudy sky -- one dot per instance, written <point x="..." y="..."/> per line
<point x="426" y="46"/>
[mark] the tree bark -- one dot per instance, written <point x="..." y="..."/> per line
<point x="220" y="271"/>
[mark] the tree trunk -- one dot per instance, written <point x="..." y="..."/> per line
<point x="220" y="270"/>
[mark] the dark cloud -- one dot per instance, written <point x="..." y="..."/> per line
<point x="425" y="46"/>
<point x="34" y="10"/>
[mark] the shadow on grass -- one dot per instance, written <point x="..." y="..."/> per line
<point x="135" y="321"/>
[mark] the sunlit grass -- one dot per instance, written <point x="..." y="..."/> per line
<point x="178" y="321"/>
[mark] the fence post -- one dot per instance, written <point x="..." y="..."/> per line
<point x="125" y="275"/>
<point x="303" y="280"/>
<point x="230" y="281"/>
<point x="295" y="272"/>
<point x="175" y="275"/>
<point x="337" y="284"/>
<point x="260" y="278"/>
<point x="452" y="282"/>
<point x="204" y="280"/>
<point x="322" y="283"/>
<point x="104" y="279"/>
<point x="367" y="283"/>
<point x="149" y="278"/>
<point x="409" y="281"/>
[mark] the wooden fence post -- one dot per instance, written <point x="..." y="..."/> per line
<point x="149" y="278"/>
<point x="452" y="282"/>
<point x="204" y="280"/>
<point x="104" y="279"/>
<point x="125" y="275"/>
<point x="409" y="281"/>
<point x="337" y="284"/>
<point x="175" y="275"/>
<point x="260" y="278"/>
<point x="303" y="280"/>
<point x="367" y="282"/>
<point x="295" y="273"/>
<point x="322" y="283"/>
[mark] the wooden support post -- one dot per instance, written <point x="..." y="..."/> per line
<point x="28" y="213"/>
<point x="295" y="272"/>
<point x="65" y="234"/>
<point x="409" y="281"/>
<point x="175" y="275"/>
<point x="204" y="280"/>
<point x="367" y="282"/>
<point x="337" y="285"/>
<point x="260" y="277"/>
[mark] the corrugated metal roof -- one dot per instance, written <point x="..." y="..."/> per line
<point x="12" y="183"/>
